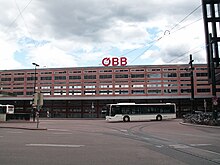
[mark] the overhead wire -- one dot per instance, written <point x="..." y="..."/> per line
<point x="20" y="13"/>
<point x="186" y="17"/>
<point x="168" y="32"/>
<point x="10" y="25"/>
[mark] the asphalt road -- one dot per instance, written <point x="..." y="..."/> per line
<point x="96" y="142"/>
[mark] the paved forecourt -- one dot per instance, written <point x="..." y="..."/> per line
<point x="99" y="142"/>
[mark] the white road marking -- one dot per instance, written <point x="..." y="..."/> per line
<point x="62" y="133"/>
<point x="1" y="136"/>
<point x="14" y="132"/>
<point x="55" y="145"/>
<point x="179" y="146"/>
<point x="195" y="145"/>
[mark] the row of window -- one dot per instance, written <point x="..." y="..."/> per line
<point x="118" y="92"/>
<point x="105" y="86"/>
<point x="102" y="71"/>
<point x="156" y="75"/>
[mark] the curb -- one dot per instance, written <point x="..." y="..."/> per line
<point x="40" y="129"/>
<point x="196" y="125"/>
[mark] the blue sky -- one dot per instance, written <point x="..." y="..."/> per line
<point x="73" y="33"/>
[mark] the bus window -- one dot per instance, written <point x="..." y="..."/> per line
<point x="125" y="110"/>
<point x="2" y="109"/>
<point x="115" y="110"/>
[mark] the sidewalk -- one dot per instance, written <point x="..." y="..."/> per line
<point x="27" y="125"/>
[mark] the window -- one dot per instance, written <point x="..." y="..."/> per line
<point x="137" y="70"/>
<point x="203" y="84"/>
<point x="19" y="93"/>
<point x="121" y="70"/>
<point x="201" y="74"/>
<point x="121" y="86"/>
<point x="46" y="72"/>
<point x="90" y="86"/>
<point x="6" y="74"/>
<point x="203" y="90"/>
<point x="89" y="71"/>
<point x="185" y="90"/>
<point x="153" y="69"/>
<point x="138" y="86"/>
<point x="75" y="92"/>
<point x="105" y="92"/>
<point x="46" y="78"/>
<point x="90" y="77"/>
<point x="169" y="69"/>
<point x="60" y="77"/>
<point x="185" y="85"/>
<point x="169" y="80"/>
<point x="46" y="93"/>
<point x="170" y="85"/>
<point x="105" y="71"/>
<point x="137" y="81"/>
<point x="154" y="91"/>
<point x="5" y="79"/>
<point x="153" y="85"/>
<point x="137" y="75"/>
<point x="153" y="80"/>
<point x="18" y="88"/>
<point x="89" y="92"/>
<point x="166" y="91"/>
<point x="105" y="86"/>
<point x="184" y="74"/>
<point x="75" y="77"/>
<point x="75" y="71"/>
<point x="201" y="68"/>
<point x="165" y="75"/>
<point x="123" y="92"/>
<point x="121" y="76"/>
<point x="18" y="73"/>
<point x="45" y="87"/>
<point x="60" y="72"/>
<point x="19" y="79"/>
<point x="29" y="93"/>
<point x="105" y="76"/>
<point x="31" y="78"/>
<point x="59" y="87"/>
<point x="59" y="92"/>
<point x="76" y="86"/>
<point x="154" y="75"/>
<point x="137" y="91"/>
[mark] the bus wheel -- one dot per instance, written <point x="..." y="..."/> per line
<point x="159" y="118"/>
<point x="126" y="119"/>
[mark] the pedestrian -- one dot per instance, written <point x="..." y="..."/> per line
<point x="34" y="114"/>
<point x="48" y="113"/>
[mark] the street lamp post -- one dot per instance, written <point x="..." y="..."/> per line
<point x="34" y="108"/>
<point x="191" y="68"/>
<point x="35" y="72"/>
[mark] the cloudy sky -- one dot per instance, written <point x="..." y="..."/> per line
<point x="78" y="33"/>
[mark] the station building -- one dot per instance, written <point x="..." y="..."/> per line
<point x="82" y="92"/>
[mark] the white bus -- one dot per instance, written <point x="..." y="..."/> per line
<point x="6" y="109"/>
<point x="139" y="112"/>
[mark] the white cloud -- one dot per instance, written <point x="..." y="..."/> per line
<point x="49" y="56"/>
<point x="79" y="33"/>
<point x="7" y="50"/>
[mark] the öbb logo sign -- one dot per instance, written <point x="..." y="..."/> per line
<point x="114" y="61"/>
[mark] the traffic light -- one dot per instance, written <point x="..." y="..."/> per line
<point x="38" y="99"/>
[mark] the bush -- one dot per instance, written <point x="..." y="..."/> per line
<point x="202" y="119"/>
